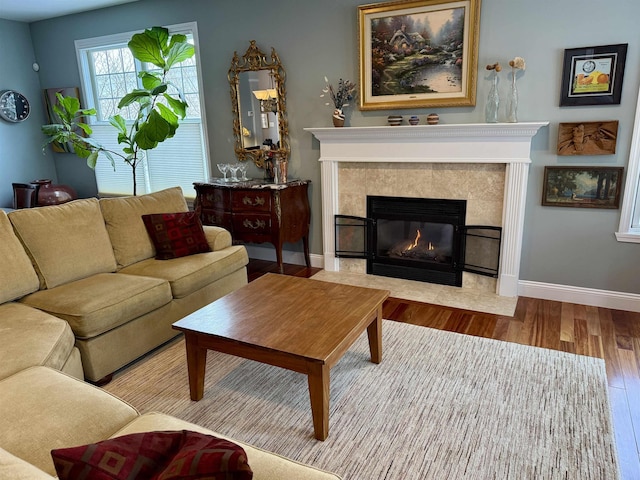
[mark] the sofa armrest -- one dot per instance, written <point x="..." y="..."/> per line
<point x="17" y="469"/>
<point x="217" y="237"/>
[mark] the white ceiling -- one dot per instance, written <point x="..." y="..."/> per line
<point x="34" y="10"/>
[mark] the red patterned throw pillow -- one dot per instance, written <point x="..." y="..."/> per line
<point x="154" y="456"/>
<point x="176" y="234"/>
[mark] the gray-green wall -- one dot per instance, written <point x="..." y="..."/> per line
<point x="566" y="246"/>
<point x="21" y="157"/>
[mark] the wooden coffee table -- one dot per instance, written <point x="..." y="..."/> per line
<point x="295" y="323"/>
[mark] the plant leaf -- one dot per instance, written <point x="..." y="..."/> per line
<point x="85" y="128"/>
<point x="133" y="96"/>
<point x="150" y="80"/>
<point x="145" y="47"/>
<point x="170" y="117"/>
<point x="159" y="89"/>
<point x="179" y="52"/>
<point x="70" y="104"/>
<point x="118" y="122"/>
<point x="156" y="129"/>
<point x="92" y="159"/>
<point x="52" y="129"/>
<point x="178" y="106"/>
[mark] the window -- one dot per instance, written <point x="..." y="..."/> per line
<point x="629" y="230"/>
<point x="108" y="71"/>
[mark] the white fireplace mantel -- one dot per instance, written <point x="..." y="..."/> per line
<point x="506" y="143"/>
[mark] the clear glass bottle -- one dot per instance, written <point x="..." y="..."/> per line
<point x="493" y="102"/>
<point x="512" y="102"/>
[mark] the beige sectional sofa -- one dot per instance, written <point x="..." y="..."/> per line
<point x="92" y="264"/>
<point x="81" y="295"/>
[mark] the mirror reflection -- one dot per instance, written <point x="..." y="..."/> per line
<point x="258" y="101"/>
<point x="258" y="107"/>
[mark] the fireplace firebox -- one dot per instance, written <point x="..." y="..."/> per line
<point x="419" y="239"/>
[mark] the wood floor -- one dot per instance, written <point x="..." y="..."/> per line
<point x="613" y="335"/>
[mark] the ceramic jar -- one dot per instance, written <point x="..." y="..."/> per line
<point x="48" y="193"/>
<point x="433" y="119"/>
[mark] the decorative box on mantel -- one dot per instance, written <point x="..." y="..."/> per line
<point x="496" y="143"/>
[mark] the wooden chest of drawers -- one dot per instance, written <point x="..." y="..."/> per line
<point x="255" y="212"/>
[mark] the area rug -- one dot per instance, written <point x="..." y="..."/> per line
<point x="441" y="405"/>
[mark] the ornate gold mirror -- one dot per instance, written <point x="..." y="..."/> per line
<point x="258" y="102"/>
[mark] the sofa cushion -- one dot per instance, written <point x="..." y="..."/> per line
<point x="154" y="455"/>
<point x="65" y="242"/>
<point x="101" y="302"/>
<point x="14" y="468"/>
<point x="31" y="337"/>
<point x="123" y="217"/>
<point x="17" y="275"/>
<point x="188" y="274"/>
<point x="43" y="409"/>
<point x="176" y="235"/>
<point x="265" y="465"/>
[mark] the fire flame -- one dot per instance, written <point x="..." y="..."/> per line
<point x="416" y="240"/>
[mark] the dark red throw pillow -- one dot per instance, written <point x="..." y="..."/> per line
<point x="154" y="456"/>
<point x="176" y="234"/>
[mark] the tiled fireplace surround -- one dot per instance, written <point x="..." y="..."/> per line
<point x="485" y="164"/>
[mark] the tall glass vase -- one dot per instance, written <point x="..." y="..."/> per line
<point x="512" y="101"/>
<point x="493" y="102"/>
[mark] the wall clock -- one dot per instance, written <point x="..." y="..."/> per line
<point x="14" y="107"/>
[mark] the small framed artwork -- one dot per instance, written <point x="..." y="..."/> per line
<point x="584" y="187"/>
<point x="593" y="75"/>
<point x="588" y="138"/>
<point x="418" y="53"/>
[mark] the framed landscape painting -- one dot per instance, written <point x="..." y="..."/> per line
<point x="418" y="53"/>
<point x="593" y="75"/>
<point x="585" y="187"/>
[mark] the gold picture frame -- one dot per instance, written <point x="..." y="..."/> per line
<point x="418" y="54"/>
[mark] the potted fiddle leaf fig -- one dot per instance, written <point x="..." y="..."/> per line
<point x="73" y="131"/>
<point x="158" y="111"/>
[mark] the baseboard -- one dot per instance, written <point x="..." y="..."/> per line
<point x="546" y="291"/>
<point x="583" y="296"/>
<point x="294" y="258"/>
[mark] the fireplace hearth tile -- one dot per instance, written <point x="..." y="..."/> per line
<point x="464" y="298"/>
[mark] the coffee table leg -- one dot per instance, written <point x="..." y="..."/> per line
<point x="374" y="332"/>
<point x="196" y="364"/>
<point x="318" y="378"/>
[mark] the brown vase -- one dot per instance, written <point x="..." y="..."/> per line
<point x="337" y="121"/>
<point x="51" y="194"/>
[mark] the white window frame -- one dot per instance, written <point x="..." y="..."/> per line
<point x="123" y="38"/>
<point x="629" y="229"/>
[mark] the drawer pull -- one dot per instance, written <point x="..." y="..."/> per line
<point x="253" y="203"/>
<point x="259" y="224"/>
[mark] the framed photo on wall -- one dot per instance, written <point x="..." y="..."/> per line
<point x="583" y="187"/>
<point x="418" y="53"/>
<point x="593" y="75"/>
